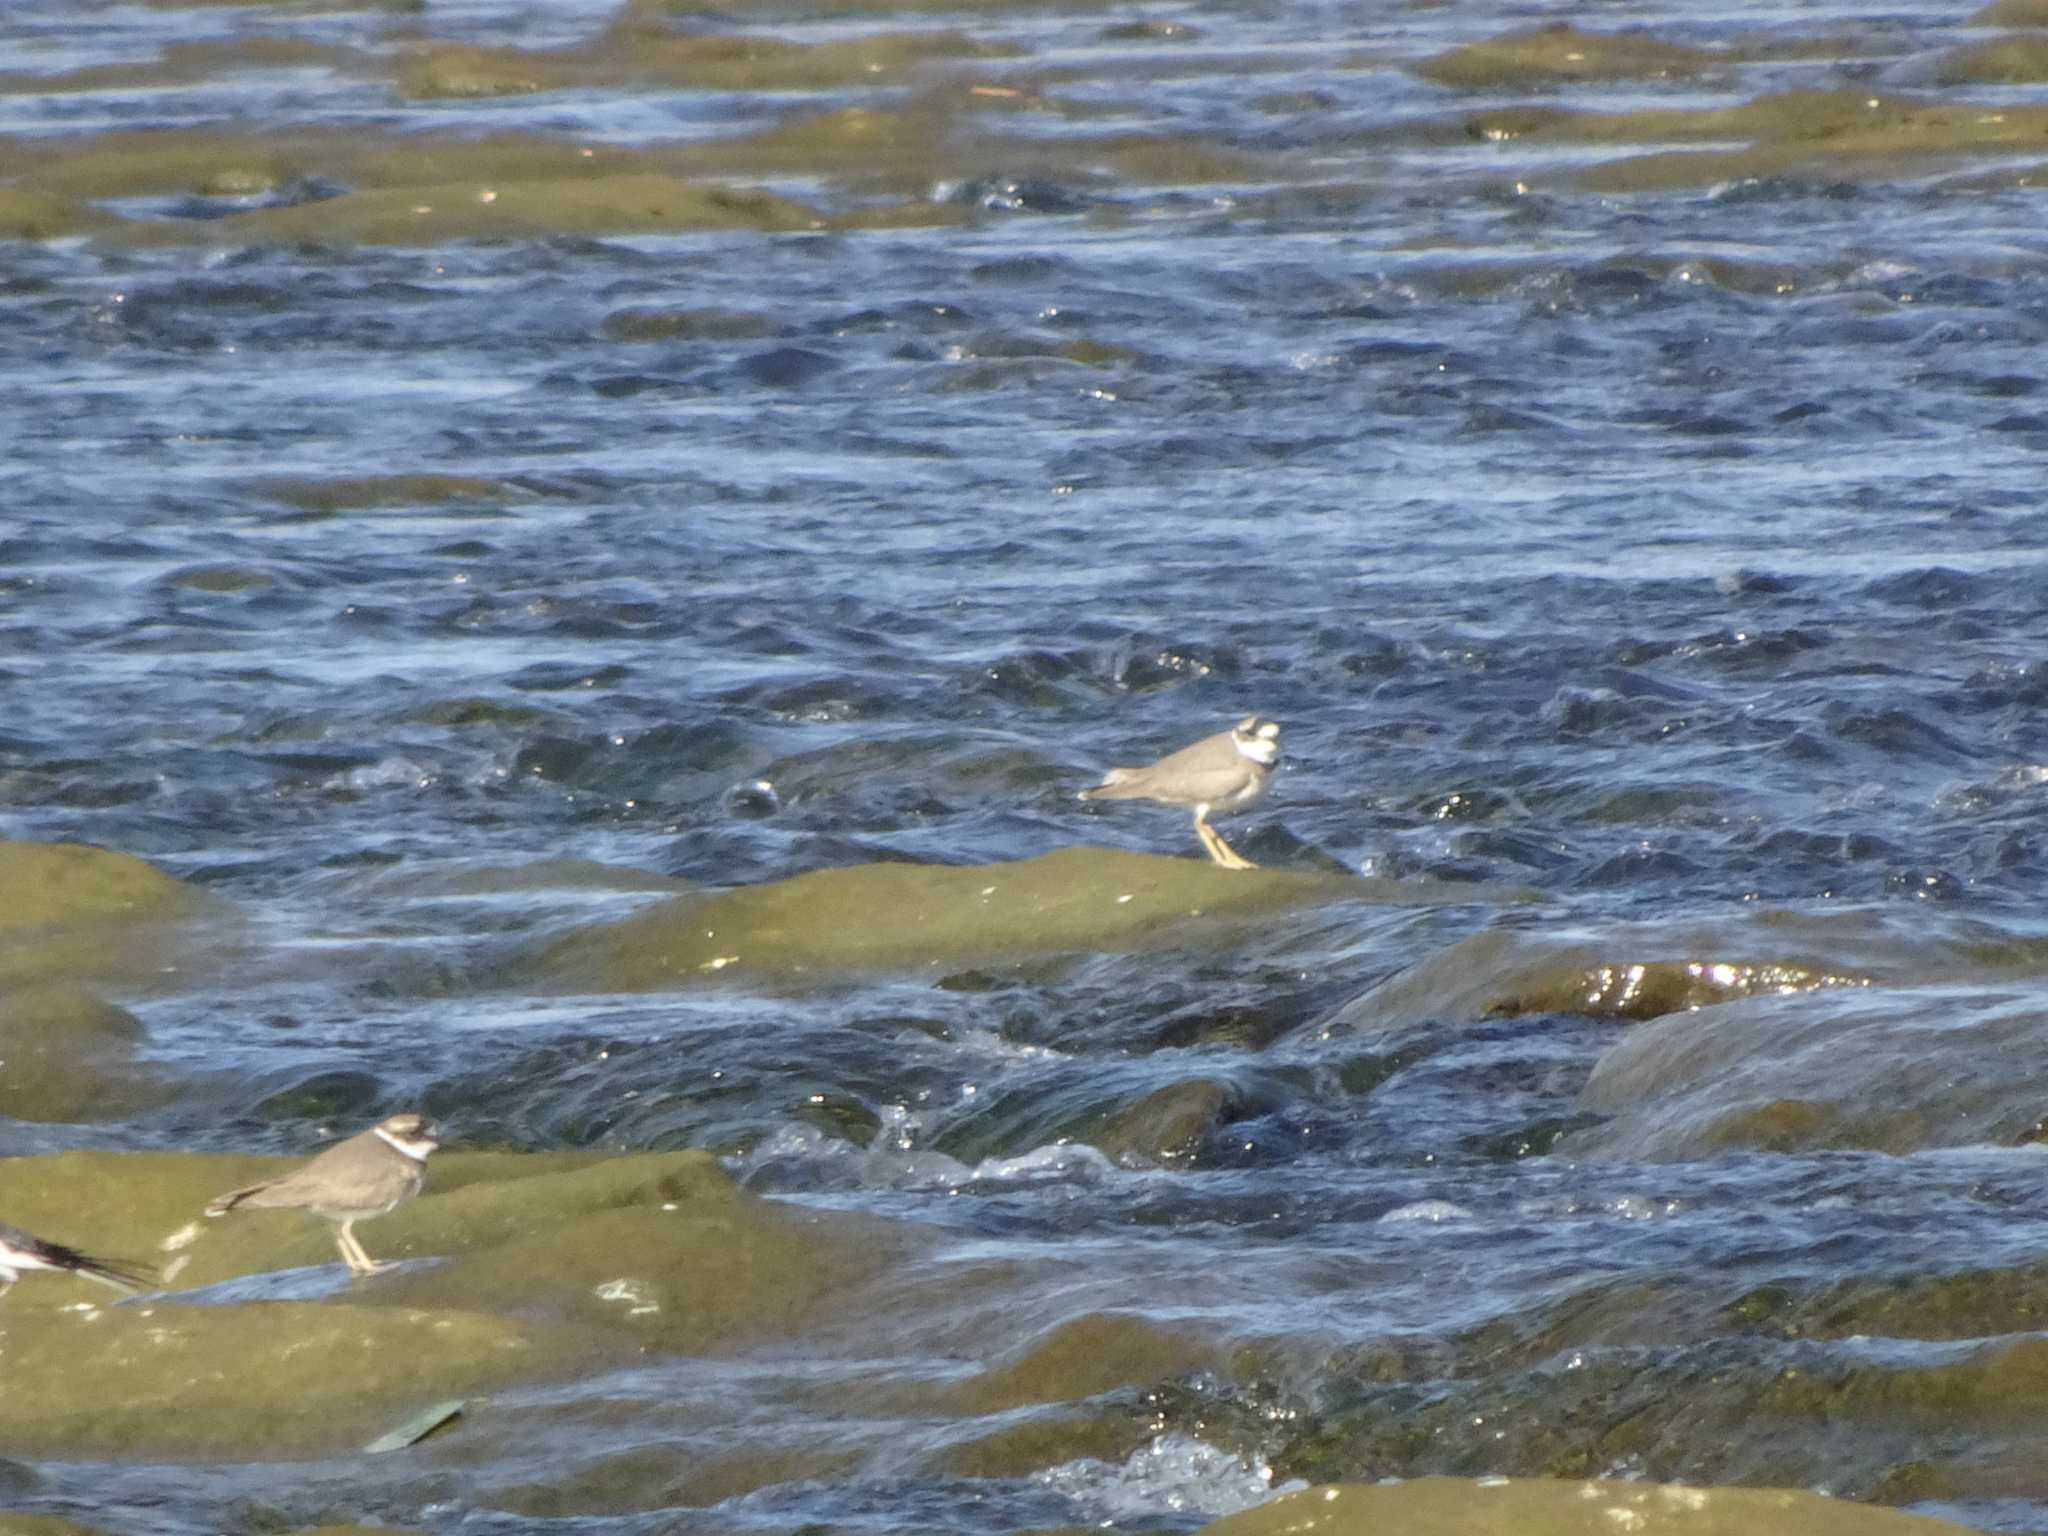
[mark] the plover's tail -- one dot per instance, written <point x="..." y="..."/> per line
<point x="1117" y="784"/>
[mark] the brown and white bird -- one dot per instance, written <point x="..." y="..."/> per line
<point x="1218" y="774"/>
<point x="22" y="1251"/>
<point x="351" y="1181"/>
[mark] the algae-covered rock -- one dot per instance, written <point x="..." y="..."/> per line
<point x="458" y="69"/>
<point x="1561" y="54"/>
<point x="2010" y="13"/>
<point x="1639" y="972"/>
<point x="543" y="1265"/>
<point x="661" y="1247"/>
<point x="357" y="493"/>
<point x="46" y="885"/>
<point x="1451" y="1506"/>
<point x="1166" y="1125"/>
<point x="69" y="911"/>
<point x="27" y="214"/>
<point x="473" y="210"/>
<point x="267" y="1379"/>
<point x="1892" y="1070"/>
<point x="42" y="1525"/>
<point x="2009" y="61"/>
<point x="918" y="917"/>
<point x="68" y="1055"/>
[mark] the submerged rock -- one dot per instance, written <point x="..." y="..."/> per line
<point x="1559" y="54"/>
<point x="918" y="917"/>
<point x="1891" y="1070"/>
<point x="1453" y="1506"/>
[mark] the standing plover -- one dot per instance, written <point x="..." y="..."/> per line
<point x="351" y="1181"/>
<point x="1221" y="773"/>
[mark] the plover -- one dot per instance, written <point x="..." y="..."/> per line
<point x="1218" y="774"/>
<point x="365" y="1176"/>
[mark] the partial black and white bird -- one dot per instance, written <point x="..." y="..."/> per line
<point x="22" y="1251"/>
<point x="1217" y="775"/>
<point x="354" y="1180"/>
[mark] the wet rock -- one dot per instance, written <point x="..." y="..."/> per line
<point x="68" y="1055"/>
<point x="460" y="70"/>
<point x="917" y="917"/>
<point x="1165" y="1126"/>
<point x="378" y="492"/>
<point x="30" y="215"/>
<point x="273" y="1379"/>
<point x="69" y="911"/>
<point x="1882" y="1069"/>
<point x="545" y="1264"/>
<point x="661" y="1248"/>
<point x="1081" y="1358"/>
<point x="2009" y="61"/>
<point x="685" y="325"/>
<point x="1649" y="970"/>
<point x="478" y="210"/>
<point x="2011" y="13"/>
<point x="134" y="164"/>
<point x="224" y="580"/>
<point x="1447" y="1506"/>
<point x="1561" y="54"/>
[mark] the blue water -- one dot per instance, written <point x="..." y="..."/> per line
<point x="1666" y="561"/>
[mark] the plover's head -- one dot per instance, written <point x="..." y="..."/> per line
<point x="1257" y="738"/>
<point x="414" y="1135"/>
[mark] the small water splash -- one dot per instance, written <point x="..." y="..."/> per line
<point x="1174" y="1472"/>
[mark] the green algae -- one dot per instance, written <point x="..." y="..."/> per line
<point x="548" y="1264"/>
<point x="522" y="210"/>
<point x="2009" y="61"/>
<point x="639" y="56"/>
<point x="71" y="913"/>
<point x="464" y="70"/>
<point x="1083" y="1357"/>
<point x="917" y="917"/>
<point x="27" y="214"/>
<point x="1559" y="55"/>
<point x="369" y="493"/>
<point x="2010" y="13"/>
<point x="685" y="325"/>
<point x="137" y="163"/>
<point x="67" y="1055"/>
<point x="45" y="885"/>
<point x="1447" y="1506"/>
<point x="260" y="1380"/>
<point x="1893" y="1070"/>
<point x="1167" y="1125"/>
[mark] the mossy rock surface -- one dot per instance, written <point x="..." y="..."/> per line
<point x="68" y="1055"/>
<point x="919" y="917"/>
<point x="547" y="1265"/>
<point x="1450" y="1506"/>
<point x="72" y="912"/>
<point x="1558" y="55"/>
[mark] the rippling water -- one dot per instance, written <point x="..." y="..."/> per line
<point x="1621" y="475"/>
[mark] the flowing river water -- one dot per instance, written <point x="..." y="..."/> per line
<point x="563" y="566"/>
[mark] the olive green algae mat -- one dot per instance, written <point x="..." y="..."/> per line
<point x="542" y="1266"/>
<point x="917" y="916"/>
<point x="1455" y="1506"/>
<point x="70" y="912"/>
